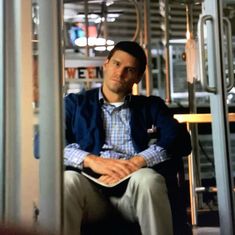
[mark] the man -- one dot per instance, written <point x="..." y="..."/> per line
<point x="113" y="133"/>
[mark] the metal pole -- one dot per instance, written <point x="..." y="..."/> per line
<point x="192" y="186"/>
<point x="167" y="52"/>
<point x="19" y="112"/>
<point x="11" y="186"/>
<point x="50" y="115"/>
<point x="147" y="44"/>
<point x="213" y="17"/>
<point x="86" y="26"/>
<point x="2" y="154"/>
<point x="194" y="161"/>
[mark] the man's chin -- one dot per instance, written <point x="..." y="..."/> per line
<point x="116" y="90"/>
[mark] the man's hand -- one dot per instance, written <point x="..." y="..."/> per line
<point x="139" y="161"/>
<point x="113" y="170"/>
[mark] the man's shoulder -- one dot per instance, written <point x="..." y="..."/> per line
<point x="82" y="95"/>
<point x="151" y="103"/>
<point x="145" y="99"/>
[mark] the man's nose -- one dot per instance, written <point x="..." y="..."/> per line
<point x="121" y="72"/>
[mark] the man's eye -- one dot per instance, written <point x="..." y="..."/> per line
<point x="116" y="63"/>
<point x="131" y="70"/>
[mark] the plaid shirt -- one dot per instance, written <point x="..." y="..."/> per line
<point x="118" y="143"/>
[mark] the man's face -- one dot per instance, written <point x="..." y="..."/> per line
<point x="120" y="73"/>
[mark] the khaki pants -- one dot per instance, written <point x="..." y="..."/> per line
<point x="145" y="200"/>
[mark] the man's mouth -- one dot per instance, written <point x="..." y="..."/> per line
<point x="116" y="80"/>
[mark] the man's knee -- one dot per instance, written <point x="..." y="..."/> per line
<point x="70" y="177"/>
<point x="148" y="179"/>
<point x="72" y="181"/>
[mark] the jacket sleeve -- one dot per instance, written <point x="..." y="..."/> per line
<point x="70" y="109"/>
<point x="171" y="135"/>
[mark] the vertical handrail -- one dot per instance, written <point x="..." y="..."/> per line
<point x="202" y="57"/>
<point x="86" y="9"/>
<point x="50" y="115"/>
<point x="193" y="160"/>
<point x="229" y="53"/>
<point x="147" y="44"/>
<point x="138" y="20"/>
<point x="167" y="53"/>
<point x="192" y="185"/>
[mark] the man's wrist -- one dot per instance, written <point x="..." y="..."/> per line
<point x="87" y="160"/>
<point x="139" y="161"/>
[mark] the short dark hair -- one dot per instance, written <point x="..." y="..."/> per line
<point x="134" y="49"/>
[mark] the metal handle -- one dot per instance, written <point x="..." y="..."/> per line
<point x="201" y="22"/>
<point x="227" y="24"/>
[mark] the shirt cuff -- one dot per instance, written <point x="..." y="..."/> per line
<point x="154" y="155"/>
<point x="73" y="156"/>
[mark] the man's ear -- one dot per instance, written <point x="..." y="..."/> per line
<point x="105" y="63"/>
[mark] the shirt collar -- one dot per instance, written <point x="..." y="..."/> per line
<point x="101" y="98"/>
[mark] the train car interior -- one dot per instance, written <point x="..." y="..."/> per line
<point x="49" y="49"/>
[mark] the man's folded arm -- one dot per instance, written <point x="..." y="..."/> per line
<point x="74" y="156"/>
<point x="153" y="155"/>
